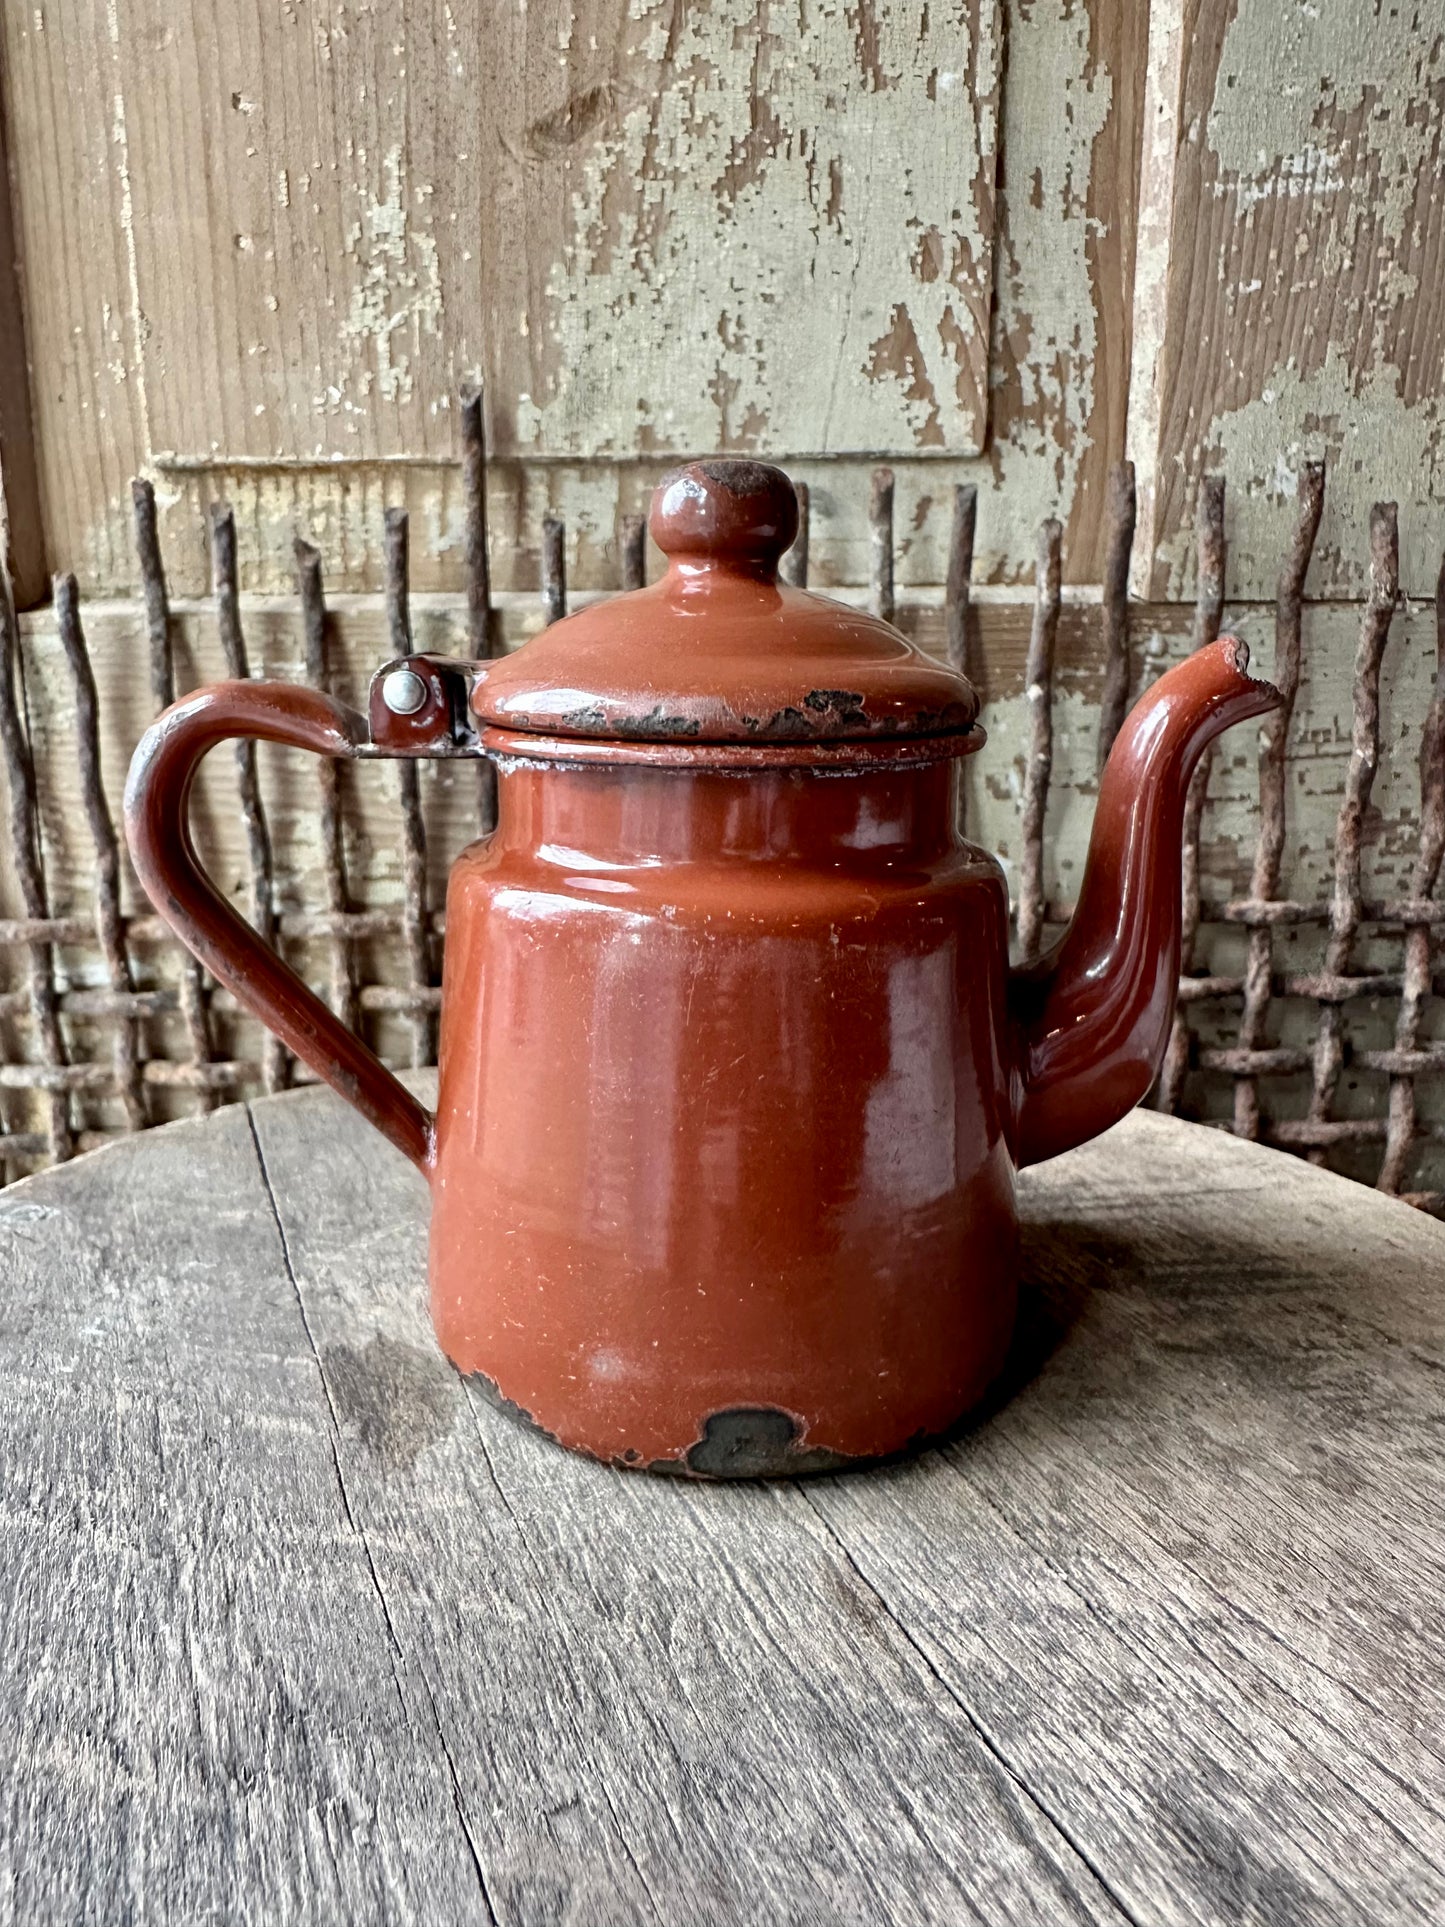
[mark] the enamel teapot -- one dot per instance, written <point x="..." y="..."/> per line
<point x="734" y="1074"/>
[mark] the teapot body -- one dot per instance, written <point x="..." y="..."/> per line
<point x="723" y="1181"/>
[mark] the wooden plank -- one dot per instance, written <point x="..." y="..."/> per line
<point x="74" y="213"/>
<point x="700" y="186"/>
<point x="1062" y="332"/>
<point x="202" y="1704"/>
<point x="685" y="1686"/>
<point x="273" y="276"/>
<point x="1217" y="1601"/>
<point x="282" y="280"/>
<point x="268" y="276"/>
<point x="1288" y="297"/>
<point x="548" y="1692"/>
<point x="297" y="170"/>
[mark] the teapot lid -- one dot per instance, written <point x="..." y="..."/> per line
<point x="720" y="651"/>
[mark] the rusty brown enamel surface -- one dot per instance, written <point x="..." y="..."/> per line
<point x="735" y="1076"/>
<point x="157" y="829"/>
<point x="719" y="651"/>
<point x="717" y="1132"/>
<point x="1094" y="1015"/>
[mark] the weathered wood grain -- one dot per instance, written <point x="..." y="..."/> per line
<point x="1288" y="294"/>
<point x="191" y="1623"/>
<point x="1063" y="319"/>
<point x="261" y="265"/>
<point x="295" y="1628"/>
<point x="1218" y="1410"/>
<point x="690" y="1683"/>
<point x="697" y="185"/>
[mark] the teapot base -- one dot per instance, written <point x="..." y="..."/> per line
<point x="738" y="1442"/>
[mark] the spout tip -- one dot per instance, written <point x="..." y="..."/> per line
<point x="1237" y="651"/>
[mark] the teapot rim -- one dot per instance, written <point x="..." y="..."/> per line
<point x="517" y="748"/>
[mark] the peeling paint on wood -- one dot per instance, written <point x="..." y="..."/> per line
<point x="293" y="248"/>
<point x="396" y="296"/>
<point x="313" y="236"/>
<point x="1289" y="299"/>
<point x="777" y="228"/>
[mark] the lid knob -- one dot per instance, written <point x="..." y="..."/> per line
<point x="740" y="514"/>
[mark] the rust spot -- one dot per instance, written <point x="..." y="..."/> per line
<point x="948" y="721"/>
<point x="783" y="726"/>
<point x="657" y="723"/>
<point x="825" y="712"/>
<point x="835" y="713"/>
<point x="593" y="720"/>
<point x="846" y="704"/>
<point x="742" y="1442"/>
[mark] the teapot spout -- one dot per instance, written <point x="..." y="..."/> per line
<point x="1091" y="1018"/>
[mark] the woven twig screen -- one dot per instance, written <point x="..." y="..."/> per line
<point x="107" y="1027"/>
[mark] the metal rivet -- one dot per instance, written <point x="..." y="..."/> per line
<point x="403" y="692"/>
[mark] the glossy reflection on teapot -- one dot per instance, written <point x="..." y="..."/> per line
<point x="734" y="1074"/>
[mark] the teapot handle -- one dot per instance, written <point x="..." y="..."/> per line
<point x="157" y="798"/>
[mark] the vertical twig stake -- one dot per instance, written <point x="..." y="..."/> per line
<point x="1208" y="608"/>
<point x="1359" y="781"/>
<point x="274" y="1062"/>
<point x="191" y="979"/>
<point x="109" y="929"/>
<point x="554" y="569"/>
<point x="328" y="783"/>
<point x="1038" y="694"/>
<point x="880" y="535"/>
<point x="1119" y="545"/>
<point x="1273" y="747"/>
<point x="413" y="846"/>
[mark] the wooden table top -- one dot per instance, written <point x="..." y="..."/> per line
<point x="295" y="1628"/>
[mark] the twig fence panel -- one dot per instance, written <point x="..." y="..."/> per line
<point x="106" y="1026"/>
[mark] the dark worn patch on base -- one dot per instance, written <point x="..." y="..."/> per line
<point x="753" y="1442"/>
<point x="741" y="1442"/>
<point x="508" y="1407"/>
